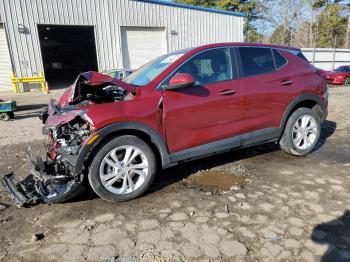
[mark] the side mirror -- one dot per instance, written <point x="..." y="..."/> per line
<point x="180" y="80"/>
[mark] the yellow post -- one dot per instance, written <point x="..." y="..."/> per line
<point x="14" y="83"/>
<point x="34" y="79"/>
<point x="42" y="82"/>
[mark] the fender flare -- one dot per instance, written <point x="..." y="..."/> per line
<point x="299" y="99"/>
<point x="86" y="150"/>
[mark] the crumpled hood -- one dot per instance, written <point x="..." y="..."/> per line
<point x="91" y="79"/>
<point x="56" y="117"/>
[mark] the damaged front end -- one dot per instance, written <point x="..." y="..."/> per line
<point x="67" y="128"/>
<point x="52" y="179"/>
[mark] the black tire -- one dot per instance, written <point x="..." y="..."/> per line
<point x="346" y="81"/>
<point x="286" y="141"/>
<point x="5" y="116"/>
<point x="94" y="170"/>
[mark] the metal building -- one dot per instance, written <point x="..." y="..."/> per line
<point x="65" y="37"/>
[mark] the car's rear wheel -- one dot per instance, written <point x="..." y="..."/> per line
<point x="123" y="169"/>
<point x="301" y="132"/>
<point x="346" y="81"/>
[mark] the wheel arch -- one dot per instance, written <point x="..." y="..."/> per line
<point x="146" y="133"/>
<point x="310" y="101"/>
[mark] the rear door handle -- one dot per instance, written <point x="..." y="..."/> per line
<point x="287" y="82"/>
<point x="227" y="92"/>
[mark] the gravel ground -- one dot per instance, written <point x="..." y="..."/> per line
<point x="280" y="207"/>
<point x="25" y="127"/>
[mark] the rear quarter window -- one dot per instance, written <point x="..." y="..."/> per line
<point x="280" y="61"/>
<point x="301" y="55"/>
<point x="255" y="61"/>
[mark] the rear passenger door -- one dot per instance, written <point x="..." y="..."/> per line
<point x="264" y="80"/>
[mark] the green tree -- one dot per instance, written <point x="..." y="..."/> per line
<point x="248" y="7"/>
<point x="281" y="36"/>
<point x="253" y="36"/>
<point x="245" y="6"/>
<point x="332" y="27"/>
<point x="340" y="4"/>
<point x="204" y="3"/>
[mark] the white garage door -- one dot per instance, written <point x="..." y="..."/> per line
<point x="5" y="62"/>
<point x="142" y="44"/>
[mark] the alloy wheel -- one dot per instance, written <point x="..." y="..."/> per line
<point x="124" y="169"/>
<point x="304" y="132"/>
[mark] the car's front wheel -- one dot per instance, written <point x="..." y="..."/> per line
<point x="301" y="132"/>
<point x="123" y="169"/>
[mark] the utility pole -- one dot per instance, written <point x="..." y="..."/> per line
<point x="315" y="36"/>
<point x="334" y="34"/>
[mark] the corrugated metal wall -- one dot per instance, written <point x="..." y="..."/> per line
<point x="193" y="27"/>
<point x="5" y="62"/>
<point x="326" y="58"/>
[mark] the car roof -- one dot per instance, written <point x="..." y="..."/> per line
<point x="233" y="44"/>
<point x="242" y="44"/>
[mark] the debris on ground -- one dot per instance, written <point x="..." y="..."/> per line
<point x="38" y="236"/>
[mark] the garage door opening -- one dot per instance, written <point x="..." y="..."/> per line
<point x="142" y="44"/>
<point x="67" y="51"/>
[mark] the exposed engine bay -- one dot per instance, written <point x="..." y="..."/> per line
<point x="67" y="127"/>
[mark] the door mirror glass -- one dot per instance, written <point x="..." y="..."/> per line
<point x="180" y="80"/>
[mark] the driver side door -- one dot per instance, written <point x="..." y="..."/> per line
<point x="211" y="109"/>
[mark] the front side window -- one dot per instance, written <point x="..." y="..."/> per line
<point x="209" y="67"/>
<point x="256" y="61"/>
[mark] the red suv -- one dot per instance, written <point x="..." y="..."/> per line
<point x="181" y="106"/>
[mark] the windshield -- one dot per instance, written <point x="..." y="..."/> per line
<point x="342" y="69"/>
<point x="151" y="70"/>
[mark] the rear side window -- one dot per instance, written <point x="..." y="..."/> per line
<point x="279" y="59"/>
<point x="256" y="61"/>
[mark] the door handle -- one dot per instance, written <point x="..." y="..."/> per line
<point x="227" y="92"/>
<point x="286" y="82"/>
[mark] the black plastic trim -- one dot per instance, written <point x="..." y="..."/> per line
<point x="86" y="150"/>
<point x="299" y="99"/>
<point x="207" y="149"/>
<point x="261" y="135"/>
<point x="227" y="144"/>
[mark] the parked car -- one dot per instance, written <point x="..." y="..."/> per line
<point x="340" y="76"/>
<point x="181" y="106"/>
<point x="117" y="73"/>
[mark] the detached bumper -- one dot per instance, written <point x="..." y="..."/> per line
<point x="46" y="183"/>
<point x="17" y="192"/>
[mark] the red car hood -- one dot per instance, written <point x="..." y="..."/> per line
<point x="92" y="79"/>
<point x="332" y="74"/>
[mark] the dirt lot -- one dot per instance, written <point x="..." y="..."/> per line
<point x="283" y="208"/>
